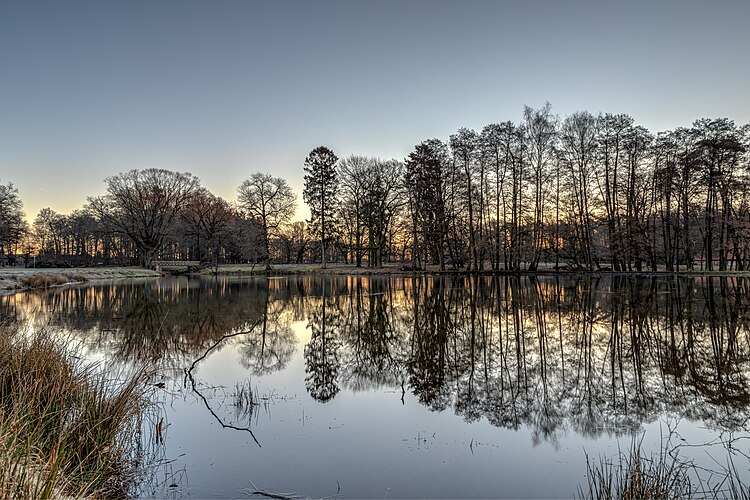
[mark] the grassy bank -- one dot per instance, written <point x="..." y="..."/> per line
<point x="64" y="430"/>
<point x="15" y="279"/>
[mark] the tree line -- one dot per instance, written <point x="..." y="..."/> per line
<point x="159" y="214"/>
<point x="585" y="192"/>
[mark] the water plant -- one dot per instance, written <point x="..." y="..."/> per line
<point x="665" y="474"/>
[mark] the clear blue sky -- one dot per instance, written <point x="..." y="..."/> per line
<point x="226" y="88"/>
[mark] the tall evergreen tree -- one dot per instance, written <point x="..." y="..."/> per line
<point x="321" y="188"/>
<point x="424" y="179"/>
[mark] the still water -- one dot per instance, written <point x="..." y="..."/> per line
<point x="404" y="387"/>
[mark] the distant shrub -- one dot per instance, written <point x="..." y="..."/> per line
<point x="47" y="280"/>
<point x="76" y="277"/>
<point x="43" y="280"/>
<point x="47" y="263"/>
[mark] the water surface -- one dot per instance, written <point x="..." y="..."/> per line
<point x="401" y="387"/>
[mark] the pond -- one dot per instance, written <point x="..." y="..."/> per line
<point x="415" y="387"/>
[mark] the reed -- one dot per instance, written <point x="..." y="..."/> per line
<point x="634" y="475"/>
<point x="665" y="474"/>
<point x="65" y="430"/>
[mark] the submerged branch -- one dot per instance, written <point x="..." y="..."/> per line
<point x="189" y="375"/>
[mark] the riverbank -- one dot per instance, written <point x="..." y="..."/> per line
<point x="14" y="279"/>
<point x="399" y="269"/>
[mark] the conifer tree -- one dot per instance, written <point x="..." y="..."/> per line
<point x="321" y="188"/>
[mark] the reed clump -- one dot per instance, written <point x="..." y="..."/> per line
<point x="44" y="280"/>
<point x="634" y="475"/>
<point x="662" y="475"/>
<point x="64" y="429"/>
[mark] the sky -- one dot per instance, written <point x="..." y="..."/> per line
<point x="223" y="89"/>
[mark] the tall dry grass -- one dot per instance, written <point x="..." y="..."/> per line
<point x="65" y="430"/>
<point x="44" y="280"/>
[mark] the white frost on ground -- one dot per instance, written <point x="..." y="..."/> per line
<point x="11" y="278"/>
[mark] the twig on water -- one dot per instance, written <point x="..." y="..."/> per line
<point x="270" y="494"/>
<point x="285" y="496"/>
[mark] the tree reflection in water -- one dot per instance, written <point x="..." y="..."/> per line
<point x="591" y="355"/>
<point x="556" y="354"/>
<point x="321" y="352"/>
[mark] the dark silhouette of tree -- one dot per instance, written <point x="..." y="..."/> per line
<point x="464" y="147"/>
<point x="719" y="153"/>
<point x="210" y="221"/>
<point x="383" y="200"/>
<point x="269" y="200"/>
<point x="143" y="205"/>
<point x="425" y="181"/>
<point x="540" y="129"/>
<point x="293" y="242"/>
<point x="12" y="223"/>
<point x="320" y="193"/>
<point x="578" y="146"/>
<point x="48" y="228"/>
<point x="353" y="175"/>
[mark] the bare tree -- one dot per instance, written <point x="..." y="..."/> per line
<point x="578" y="143"/>
<point x="271" y="201"/>
<point x="540" y="128"/>
<point x="143" y="204"/>
<point x="208" y="220"/>
<point x="381" y="205"/>
<point x="353" y="177"/>
<point x="464" y="146"/>
<point x="48" y="227"/>
<point x="12" y="223"/>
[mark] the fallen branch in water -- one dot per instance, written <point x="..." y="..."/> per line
<point x="270" y="494"/>
<point x="222" y="339"/>
<point x="284" y="496"/>
<point x="189" y="375"/>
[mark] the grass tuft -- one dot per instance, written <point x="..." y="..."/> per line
<point x="634" y="475"/>
<point x="663" y="475"/>
<point x="64" y="430"/>
<point x="245" y="400"/>
<point x="43" y="280"/>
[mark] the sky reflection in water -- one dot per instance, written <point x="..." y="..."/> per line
<point x="416" y="387"/>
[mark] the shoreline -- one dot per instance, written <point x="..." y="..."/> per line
<point x="17" y="279"/>
<point x="24" y="279"/>
<point x="395" y="270"/>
